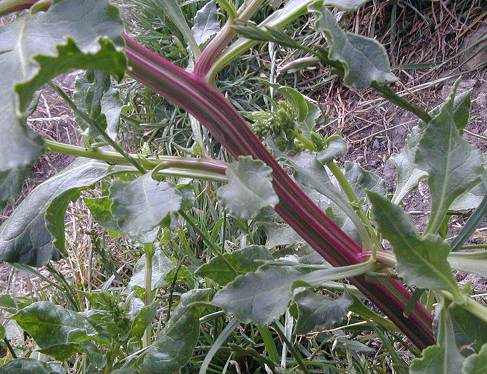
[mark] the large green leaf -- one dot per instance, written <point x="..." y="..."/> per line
<point x="363" y="60"/>
<point x="249" y="188"/>
<point x="363" y="180"/>
<point x="263" y="296"/>
<point x="476" y="363"/>
<point x="319" y="312"/>
<point x="34" y="233"/>
<point x="33" y="51"/>
<point x="469" y="329"/>
<point x="59" y="332"/>
<point x="30" y="366"/>
<point x="242" y="260"/>
<point x="453" y="165"/>
<point x="421" y="261"/>
<point x="161" y="266"/>
<point x="443" y="358"/>
<point x="469" y="262"/>
<point x="95" y="96"/>
<point x="206" y="23"/>
<point x="140" y="205"/>
<point x="174" y="348"/>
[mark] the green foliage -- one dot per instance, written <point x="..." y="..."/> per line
<point x="29" y="366"/>
<point x="249" y="188"/>
<point x="206" y="23"/>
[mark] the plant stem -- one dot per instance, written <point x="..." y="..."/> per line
<point x="292" y="349"/>
<point x="149" y="254"/>
<point x="98" y="128"/>
<point x="387" y="93"/>
<point x="10" y="6"/>
<point x="9" y="347"/>
<point x="188" y="167"/>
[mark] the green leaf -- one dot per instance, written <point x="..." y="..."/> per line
<point x="263" y="296"/>
<point x="2" y="332"/>
<point x="59" y="332"/>
<point x="408" y="175"/>
<point x="346" y="5"/>
<point x="32" y="54"/>
<point x="140" y="205"/>
<point x="280" y="234"/>
<point x="242" y="260"/>
<point x="476" y="363"/>
<point x="319" y="312"/>
<point x="161" y="266"/>
<point x="469" y="200"/>
<point x="421" y="261"/>
<point x="249" y="188"/>
<point x="95" y="96"/>
<point x="31" y="366"/>
<point x="101" y="209"/>
<point x="173" y="12"/>
<point x="206" y="23"/>
<point x="452" y="164"/>
<point x="469" y="329"/>
<point x="336" y="146"/>
<point x="143" y="319"/>
<point x="173" y="349"/>
<point x="229" y="8"/>
<point x="34" y="233"/>
<point x="469" y="262"/>
<point x="363" y="61"/>
<point x="443" y="357"/>
<point x="363" y="180"/>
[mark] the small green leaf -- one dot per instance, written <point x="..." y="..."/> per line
<point x="346" y="5"/>
<point x="421" y="261"/>
<point x="140" y="205"/>
<point x="95" y="96"/>
<point x="408" y="175"/>
<point x="143" y="319"/>
<point x="31" y="366"/>
<point x="101" y="209"/>
<point x="206" y="23"/>
<point x="32" y="54"/>
<point x="34" y="233"/>
<point x="476" y="363"/>
<point x="336" y="146"/>
<point x="363" y="180"/>
<point x="319" y="312"/>
<point x="59" y="332"/>
<point x="452" y="164"/>
<point x="242" y="260"/>
<point x="174" y="348"/>
<point x="161" y="266"/>
<point x="364" y="61"/>
<point x="469" y="262"/>
<point x="249" y="188"/>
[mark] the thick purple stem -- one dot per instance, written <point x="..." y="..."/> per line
<point x="206" y="104"/>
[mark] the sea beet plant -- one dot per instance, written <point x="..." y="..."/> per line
<point x="279" y="161"/>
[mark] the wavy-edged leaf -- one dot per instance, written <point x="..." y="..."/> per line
<point x="261" y="297"/>
<point x="34" y="233"/>
<point x="319" y="312"/>
<point x="452" y="164"/>
<point x="59" y="332"/>
<point x="364" y="61"/>
<point x="242" y="260"/>
<point x="421" y="261"/>
<point x="363" y="180"/>
<point x="206" y="23"/>
<point x="161" y="266"/>
<point x="336" y="146"/>
<point x="476" y="363"/>
<point x="95" y="96"/>
<point x="174" y="348"/>
<point x="140" y="205"/>
<point x="249" y="188"/>
<point x="32" y="52"/>
<point x="29" y="366"/>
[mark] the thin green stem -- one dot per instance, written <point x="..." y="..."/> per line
<point x="149" y="254"/>
<point x="214" y="248"/>
<point x="387" y="93"/>
<point x="98" y="128"/>
<point x="292" y="349"/>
